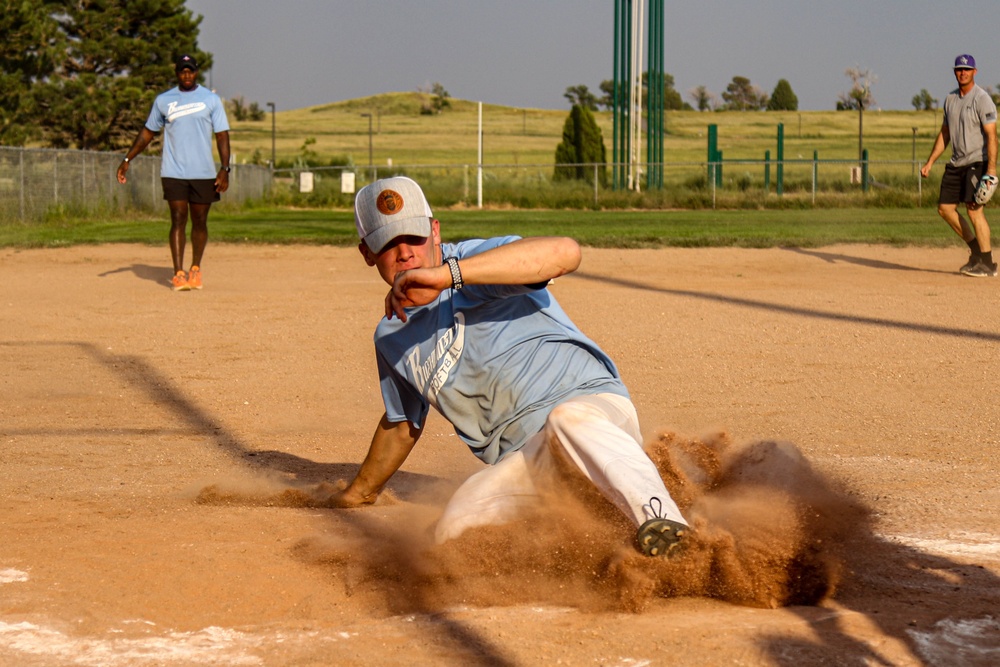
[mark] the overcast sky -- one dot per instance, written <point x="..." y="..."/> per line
<point x="525" y="53"/>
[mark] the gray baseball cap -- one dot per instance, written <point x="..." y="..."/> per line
<point x="391" y="207"/>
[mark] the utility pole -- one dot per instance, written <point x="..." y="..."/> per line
<point x="271" y="104"/>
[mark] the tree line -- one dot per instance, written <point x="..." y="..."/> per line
<point x="84" y="73"/>
<point x="740" y="95"/>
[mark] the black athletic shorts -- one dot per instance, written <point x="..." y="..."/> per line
<point x="195" y="191"/>
<point x="958" y="185"/>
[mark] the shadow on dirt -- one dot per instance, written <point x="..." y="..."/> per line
<point x="935" y="610"/>
<point x="795" y="310"/>
<point x="835" y="258"/>
<point x="924" y="604"/>
<point x="160" y="275"/>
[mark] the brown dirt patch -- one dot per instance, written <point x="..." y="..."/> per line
<point x="830" y="416"/>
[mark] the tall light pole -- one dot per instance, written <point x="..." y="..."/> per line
<point x="271" y="104"/>
<point x="370" y="164"/>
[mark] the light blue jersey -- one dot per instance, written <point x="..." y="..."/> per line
<point x="492" y="359"/>
<point x="191" y="120"/>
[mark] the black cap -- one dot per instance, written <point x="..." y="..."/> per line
<point x="186" y="62"/>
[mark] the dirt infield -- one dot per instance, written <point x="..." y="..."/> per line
<point x="162" y="453"/>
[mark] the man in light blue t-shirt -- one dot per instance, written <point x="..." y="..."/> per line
<point x="189" y="115"/>
<point x="472" y="330"/>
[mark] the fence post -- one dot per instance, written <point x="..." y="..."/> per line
<point x="712" y="171"/>
<point x="781" y="159"/>
<point x="864" y="170"/>
<point x="21" y="169"/>
<point x="83" y="178"/>
<point x="815" y="173"/>
<point x="767" y="171"/>
<point x="55" y="178"/>
<point x="595" y="184"/>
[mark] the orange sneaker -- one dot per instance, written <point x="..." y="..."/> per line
<point x="180" y="282"/>
<point x="194" y="277"/>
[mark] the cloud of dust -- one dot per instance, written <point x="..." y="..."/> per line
<point x="270" y="491"/>
<point x="769" y="531"/>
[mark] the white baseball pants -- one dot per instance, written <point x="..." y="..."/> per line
<point x="599" y="435"/>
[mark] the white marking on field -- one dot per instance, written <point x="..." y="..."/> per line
<point x="979" y="545"/>
<point x="960" y="642"/>
<point x="212" y="645"/>
<point x="10" y="576"/>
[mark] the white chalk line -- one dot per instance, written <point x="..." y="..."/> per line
<point x="222" y="646"/>
<point x="10" y="576"/>
<point x="211" y="645"/>
<point x="965" y="544"/>
<point x="959" y="641"/>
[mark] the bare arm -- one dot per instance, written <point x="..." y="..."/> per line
<point x="391" y="444"/>
<point x="222" y="178"/>
<point x="141" y="141"/>
<point x="991" y="148"/>
<point x="523" y="262"/>
<point x="943" y="137"/>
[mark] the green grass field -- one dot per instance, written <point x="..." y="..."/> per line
<point x="626" y="229"/>
<point x="683" y="215"/>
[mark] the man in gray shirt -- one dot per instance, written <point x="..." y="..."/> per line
<point x="970" y="124"/>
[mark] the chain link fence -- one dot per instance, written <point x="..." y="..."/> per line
<point x="36" y="181"/>
<point x="727" y="183"/>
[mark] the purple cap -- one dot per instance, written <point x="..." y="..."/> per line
<point x="965" y="61"/>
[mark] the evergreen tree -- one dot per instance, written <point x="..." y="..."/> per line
<point x="115" y="57"/>
<point x="27" y="52"/>
<point x="582" y="146"/>
<point x="783" y="99"/>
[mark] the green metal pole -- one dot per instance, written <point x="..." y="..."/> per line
<point x="713" y="138"/>
<point x="657" y="55"/>
<point x="864" y="170"/>
<point x="654" y="97"/>
<point x="615" y="110"/>
<point x="781" y="159"/>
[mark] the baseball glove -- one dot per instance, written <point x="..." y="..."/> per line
<point x="987" y="186"/>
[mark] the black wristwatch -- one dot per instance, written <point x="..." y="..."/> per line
<point x="227" y="169"/>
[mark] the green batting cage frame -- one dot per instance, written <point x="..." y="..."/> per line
<point x="627" y="96"/>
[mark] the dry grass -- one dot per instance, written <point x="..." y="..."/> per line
<point x="529" y="136"/>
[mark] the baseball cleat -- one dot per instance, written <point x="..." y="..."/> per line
<point x="973" y="260"/>
<point x="660" y="537"/>
<point x="981" y="270"/>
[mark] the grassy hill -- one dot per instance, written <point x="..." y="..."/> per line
<point x="514" y="136"/>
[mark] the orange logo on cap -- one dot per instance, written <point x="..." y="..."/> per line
<point x="389" y="202"/>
